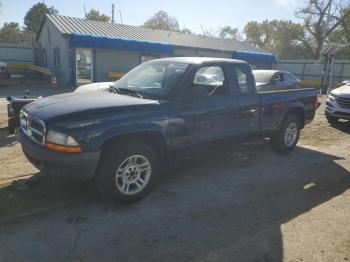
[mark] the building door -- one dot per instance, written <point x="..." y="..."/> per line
<point x="84" y="65"/>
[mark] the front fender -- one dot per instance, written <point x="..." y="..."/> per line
<point x="132" y="130"/>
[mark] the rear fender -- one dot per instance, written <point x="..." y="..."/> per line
<point x="296" y="108"/>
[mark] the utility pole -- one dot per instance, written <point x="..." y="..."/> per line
<point x="85" y="11"/>
<point x="112" y="13"/>
<point x="325" y="68"/>
<point x="121" y="18"/>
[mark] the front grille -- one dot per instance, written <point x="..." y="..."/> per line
<point x="33" y="127"/>
<point x="329" y="104"/>
<point x="344" y="102"/>
<point x="342" y="113"/>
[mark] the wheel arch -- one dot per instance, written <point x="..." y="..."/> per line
<point x="152" y="138"/>
<point x="297" y="110"/>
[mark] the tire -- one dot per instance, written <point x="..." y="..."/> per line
<point x="127" y="172"/>
<point x="332" y="120"/>
<point x="280" y="142"/>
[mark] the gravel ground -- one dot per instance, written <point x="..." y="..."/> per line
<point x="243" y="204"/>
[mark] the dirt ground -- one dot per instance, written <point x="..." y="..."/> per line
<point x="247" y="203"/>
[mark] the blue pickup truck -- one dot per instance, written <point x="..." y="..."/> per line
<point x="161" y="112"/>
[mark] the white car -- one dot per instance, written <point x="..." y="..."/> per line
<point x="101" y="86"/>
<point x="338" y="104"/>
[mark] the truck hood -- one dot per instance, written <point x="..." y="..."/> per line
<point x="342" y="91"/>
<point x="82" y="104"/>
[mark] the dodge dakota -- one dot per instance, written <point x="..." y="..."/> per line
<point x="160" y="112"/>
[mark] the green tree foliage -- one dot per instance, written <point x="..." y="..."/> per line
<point x="11" y="33"/>
<point x="228" y="32"/>
<point x="320" y="18"/>
<point x="342" y="35"/>
<point x="95" y="15"/>
<point x="162" y="21"/>
<point x="186" y="31"/>
<point x="35" y="16"/>
<point x="284" y="38"/>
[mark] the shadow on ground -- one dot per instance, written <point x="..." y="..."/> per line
<point x="343" y="125"/>
<point x="7" y="139"/>
<point x="227" y="206"/>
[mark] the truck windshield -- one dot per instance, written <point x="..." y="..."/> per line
<point x="154" y="78"/>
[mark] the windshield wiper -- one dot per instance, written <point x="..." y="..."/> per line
<point x="118" y="90"/>
<point x="113" y="89"/>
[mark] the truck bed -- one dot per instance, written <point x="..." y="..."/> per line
<point x="274" y="105"/>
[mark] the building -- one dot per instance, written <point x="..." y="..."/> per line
<point x="79" y="51"/>
<point x="16" y="53"/>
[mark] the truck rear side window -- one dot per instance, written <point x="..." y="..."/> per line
<point x="211" y="80"/>
<point x="243" y="80"/>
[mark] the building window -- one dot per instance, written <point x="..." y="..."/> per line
<point x="56" y="57"/>
<point x="44" y="57"/>
<point x="145" y="58"/>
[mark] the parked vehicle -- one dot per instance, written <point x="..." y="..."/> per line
<point x="3" y="70"/>
<point x="338" y="104"/>
<point x="158" y="113"/>
<point x="102" y="86"/>
<point x="273" y="80"/>
<point x="13" y="111"/>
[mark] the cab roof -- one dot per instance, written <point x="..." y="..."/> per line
<point x="201" y="60"/>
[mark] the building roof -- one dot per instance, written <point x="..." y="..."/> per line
<point x="72" y="25"/>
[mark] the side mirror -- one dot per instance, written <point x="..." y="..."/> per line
<point x="273" y="81"/>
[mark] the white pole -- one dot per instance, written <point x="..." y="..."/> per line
<point x="331" y="76"/>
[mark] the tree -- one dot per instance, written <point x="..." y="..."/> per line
<point x="342" y="35"/>
<point x="35" y="16"/>
<point x="11" y="33"/>
<point x="284" y="38"/>
<point x="186" y="31"/>
<point x="228" y="32"/>
<point x="320" y="18"/>
<point x="95" y="15"/>
<point x="162" y="21"/>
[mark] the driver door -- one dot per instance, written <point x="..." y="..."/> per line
<point x="204" y="115"/>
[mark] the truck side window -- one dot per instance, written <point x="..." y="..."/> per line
<point x="244" y="80"/>
<point x="212" y="79"/>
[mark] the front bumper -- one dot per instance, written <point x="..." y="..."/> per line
<point x="332" y="109"/>
<point x="71" y="165"/>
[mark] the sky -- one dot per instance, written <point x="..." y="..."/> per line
<point x="192" y="14"/>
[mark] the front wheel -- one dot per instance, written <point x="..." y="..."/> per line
<point x="127" y="172"/>
<point x="287" y="137"/>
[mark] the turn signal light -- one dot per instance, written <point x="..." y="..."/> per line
<point x="67" y="149"/>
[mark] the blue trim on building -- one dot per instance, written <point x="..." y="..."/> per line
<point x="94" y="41"/>
<point x="254" y="57"/>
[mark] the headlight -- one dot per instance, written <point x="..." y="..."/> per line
<point x="61" y="142"/>
<point x="332" y="96"/>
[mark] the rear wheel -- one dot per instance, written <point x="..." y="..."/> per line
<point x="287" y="137"/>
<point x="332" y="120"/>
<point x="127" y="172"/>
